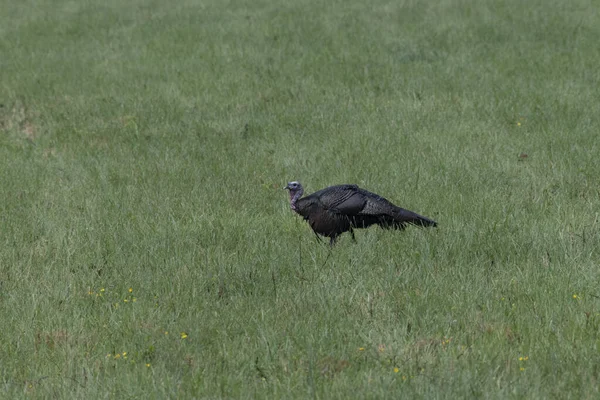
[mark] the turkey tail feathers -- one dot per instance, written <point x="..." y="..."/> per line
<point x="408" y="217"/>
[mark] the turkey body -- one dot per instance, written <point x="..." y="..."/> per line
<point x="342" y="208"/>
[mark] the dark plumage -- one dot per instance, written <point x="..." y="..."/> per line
<point x="338" y="209"/>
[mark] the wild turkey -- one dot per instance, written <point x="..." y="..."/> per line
<point x="338" y="209"/>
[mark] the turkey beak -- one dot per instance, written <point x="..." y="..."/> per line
<point x="286" y="187"/>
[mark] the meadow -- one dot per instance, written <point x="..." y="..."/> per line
<point x="147" y="249"/>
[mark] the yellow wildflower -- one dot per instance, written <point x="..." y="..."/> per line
<point x="184" y="335"/>
<point x="396" y="370"/>
<point x="361" y="349"/>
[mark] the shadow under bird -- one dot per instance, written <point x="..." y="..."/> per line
<point x="338" y="209"/>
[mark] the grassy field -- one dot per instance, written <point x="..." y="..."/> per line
<point x="147" y="249"/>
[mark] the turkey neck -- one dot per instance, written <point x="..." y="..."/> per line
<point x="294" y="196"/>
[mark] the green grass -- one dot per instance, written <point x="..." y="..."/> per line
<point x="144" y="145"/>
